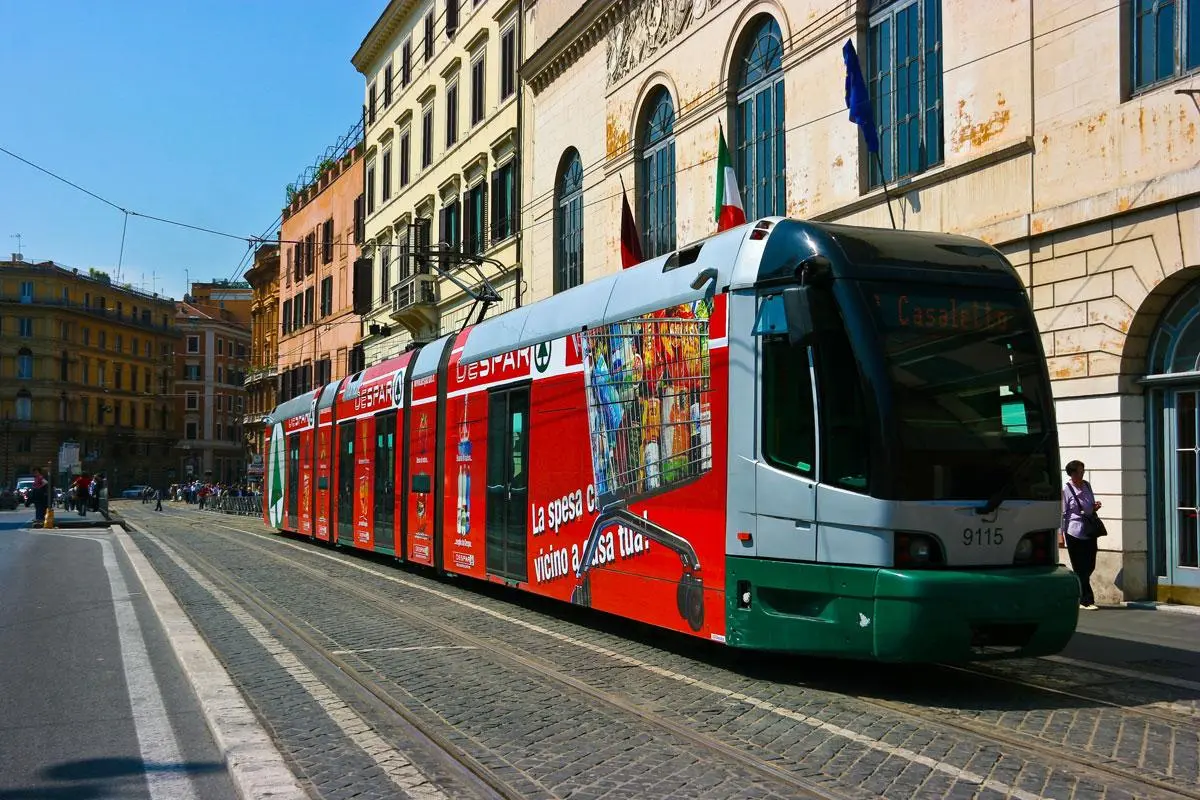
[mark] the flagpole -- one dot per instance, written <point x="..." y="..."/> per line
<point x="886" y="194"/>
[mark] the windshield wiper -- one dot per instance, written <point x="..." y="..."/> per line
<point x="1000" y="496"/>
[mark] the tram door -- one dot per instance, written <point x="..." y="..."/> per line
<point x="508" y="482"/>
<point x="385" y="482"/>
<point x="345" y="482"/>
<point x="293" y="481"/>
<point x="786" y="473"/>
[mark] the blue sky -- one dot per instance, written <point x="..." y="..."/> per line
<point x="196" y="110"/>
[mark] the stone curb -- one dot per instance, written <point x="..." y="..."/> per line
<point x="1154" y="605"/>
<point x="255" y="765"/>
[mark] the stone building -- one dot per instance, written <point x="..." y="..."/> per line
<point x="211" y="360"/>
<point x="442" y="168"/>
<point x="261" y="378"/>
<point x="1063" y="133"/>
<point x="318" y="244"/>
<point x="234" y="297"/>
<point x="84" y="359"/>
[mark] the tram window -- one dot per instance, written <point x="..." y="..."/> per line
<point x="845" y="443"/>
<point x="789" y="429"/>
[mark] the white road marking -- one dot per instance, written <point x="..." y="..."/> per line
<point x="401" y="771"/>
<point x="883" y="747"/>
<point x="254" y="762"/>
<point x="402" y="649"/>
<point x="156" y="739"/>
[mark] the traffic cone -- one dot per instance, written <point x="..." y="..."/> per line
<point x="48" y="519"/>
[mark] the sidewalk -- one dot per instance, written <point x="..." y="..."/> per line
<point x="1140" y="637"/>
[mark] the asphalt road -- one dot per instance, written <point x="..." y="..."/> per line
<point x="92" y="700"/>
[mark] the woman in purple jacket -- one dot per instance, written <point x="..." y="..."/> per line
<point x="1078" y="500"/>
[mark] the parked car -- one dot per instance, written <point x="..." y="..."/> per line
<point x="8" y="500"/>
<point x="133" y="492"/>
<point x="24" y="485"/>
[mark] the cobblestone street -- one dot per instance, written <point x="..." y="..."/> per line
<point x="382" y="681"/>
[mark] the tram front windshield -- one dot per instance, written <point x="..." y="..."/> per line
<point x="968" y="391"/>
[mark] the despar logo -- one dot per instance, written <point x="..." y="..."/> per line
<point x="275" y="466"/>
<point x="398" y="388"/>
<point x="541" y="356"/>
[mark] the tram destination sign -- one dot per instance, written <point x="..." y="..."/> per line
<point x="948" y="314"/>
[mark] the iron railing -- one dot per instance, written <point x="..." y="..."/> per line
<point x="230" y="504"/>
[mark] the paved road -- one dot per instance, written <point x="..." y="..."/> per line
<point x="92" y="701"/>
<point x="558" y="702"/>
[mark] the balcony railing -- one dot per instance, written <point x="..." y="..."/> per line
<point x="106" y="312"/>
<point x="260" y="374"/>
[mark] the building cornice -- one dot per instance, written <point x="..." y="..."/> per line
<point x="382" y="31"/>
<point x="576" y="36"/>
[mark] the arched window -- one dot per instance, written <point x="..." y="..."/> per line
<point x="24" y="405"/>
<point x="568" y="223"/>
<point x="1176" y="346"/>
<point x="759" y="119"/>
<point x="657" y="175"/>
<point x="25" y="363"/>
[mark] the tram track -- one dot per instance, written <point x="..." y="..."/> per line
<point x="292" y="630"/>
<point x="796" y="785"/>
<point x="1182" y="720"/>
<point x="1082" y="763"/>
<point x="1029" y="746"/>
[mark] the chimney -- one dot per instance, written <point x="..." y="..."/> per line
<point x="18" y="257"/>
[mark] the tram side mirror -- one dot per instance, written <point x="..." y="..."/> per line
<point x="797" y="311"/>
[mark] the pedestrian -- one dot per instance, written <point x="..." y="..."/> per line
<point x="40" y="491"/>
<point x="158" y="499"/>
<point x="1080" y="530"/>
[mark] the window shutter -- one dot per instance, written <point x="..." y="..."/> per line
<point x="496" y="212"/>
<point x="467" y="224"/>
<point x="483" y="217"/>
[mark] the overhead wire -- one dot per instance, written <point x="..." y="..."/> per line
<point x="722" y="85"/>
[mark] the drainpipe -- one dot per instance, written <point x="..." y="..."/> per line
<point x="520" y="146"/>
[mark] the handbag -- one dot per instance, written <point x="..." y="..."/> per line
<point x="1093" y="526"/>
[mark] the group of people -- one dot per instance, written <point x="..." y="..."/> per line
<point x="84" y="494"/>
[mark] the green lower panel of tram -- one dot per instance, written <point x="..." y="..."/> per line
<point x="900" y="615"/>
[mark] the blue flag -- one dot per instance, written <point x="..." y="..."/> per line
<point x="858" y="100"/>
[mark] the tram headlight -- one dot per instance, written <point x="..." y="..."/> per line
<point x="916" y="551"/>
<point x="1024" y="549"/>
<point x="1036" y="548"/>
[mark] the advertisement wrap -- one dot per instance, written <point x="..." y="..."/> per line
<point x="589" y="468"/>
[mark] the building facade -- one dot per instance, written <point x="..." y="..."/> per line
<point x="234" y="297"/>
<point x="441" y="116"/>
<point x="262" y="376"/>
<point x="1053" y="130"/>
<point x="318" y="327"/>
<point x="84" y="360"/>
<point x="211" y="361"/>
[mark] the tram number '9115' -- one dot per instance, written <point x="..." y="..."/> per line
<point x="982" y="536"/>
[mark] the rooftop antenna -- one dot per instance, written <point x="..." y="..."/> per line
<point x="18" y="255"/>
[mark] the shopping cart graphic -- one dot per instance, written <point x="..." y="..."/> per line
<point x="647" y="381"/>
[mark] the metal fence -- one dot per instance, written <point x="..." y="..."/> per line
<point x="229" y="504"/>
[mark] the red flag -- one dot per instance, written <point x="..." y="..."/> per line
<point x="631" y="243"/>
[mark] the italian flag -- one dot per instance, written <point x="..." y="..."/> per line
<point x="729" y="212"/>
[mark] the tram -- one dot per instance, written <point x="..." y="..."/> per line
<point x="790" y="436"/>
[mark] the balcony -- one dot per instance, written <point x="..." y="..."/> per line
<point x="414" y="302"/>
<point x="260" y="374"/>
